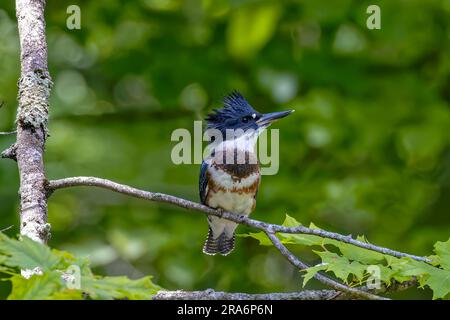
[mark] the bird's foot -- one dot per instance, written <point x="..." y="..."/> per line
<point x="220" y="211"/>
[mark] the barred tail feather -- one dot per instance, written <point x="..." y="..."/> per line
<point x="221" y="244"/>
<point x="226" y="245"/>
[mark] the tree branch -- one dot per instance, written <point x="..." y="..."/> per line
<point x="7" y="133"/>
<point x="266" y="227"/>
<point x="269" y="229"/>
<point x="210" y="294"/>
<point x="32" y="117"/>
<point x="10" y="153"/>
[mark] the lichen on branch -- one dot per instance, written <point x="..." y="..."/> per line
<point x="34" y="93"/>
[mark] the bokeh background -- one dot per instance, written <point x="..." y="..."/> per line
<point x="366" y="152"/>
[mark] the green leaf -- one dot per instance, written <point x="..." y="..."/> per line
<point x="66" y="294"/>
<point x="26" y="254"/>
<point x="290" y="222"/>
<point x="341" y="266"/>
<point x="404" y="269"/>
<point x="386" y="274"/>
<point x="442" y="250"/>
<point x="38" y="287"/>
<point x="362" y="255"/>
<point x="251" y="27"/>
<point x="260" y="236"/>
<point x="303" y="239"/>
<point x="439" y="281"/>
<point x="119" y="287"/>
<point x="288" y="238"/>
<point x="311" y="272"/>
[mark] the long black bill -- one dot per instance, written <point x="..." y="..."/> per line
<point x="268" y="118"/>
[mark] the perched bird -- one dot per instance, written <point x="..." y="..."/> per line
<point x="230" y="176"/>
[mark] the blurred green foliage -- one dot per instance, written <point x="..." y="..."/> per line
<point x="367" y="152"/>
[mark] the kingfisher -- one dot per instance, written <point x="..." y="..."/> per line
<point x="230" y="175"/>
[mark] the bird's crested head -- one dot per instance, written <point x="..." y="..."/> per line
<point x="237" y="113"/>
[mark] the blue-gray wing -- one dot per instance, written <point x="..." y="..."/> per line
<point x="203" y="182"/>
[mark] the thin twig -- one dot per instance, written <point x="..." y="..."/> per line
<point x="7" y="133"/>
<point x="10" y="153"/>
<point x="7" y="228"/>
<point x="266" y="227"/>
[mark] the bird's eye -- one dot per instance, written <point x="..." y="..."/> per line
<point x="246" y="119"/>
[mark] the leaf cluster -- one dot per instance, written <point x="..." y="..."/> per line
<point x="59" y="275"/>
<point x="357" y="266"/>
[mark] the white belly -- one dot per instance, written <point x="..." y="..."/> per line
<point x="238" y="203"/>
<point x="234" y="202"/>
